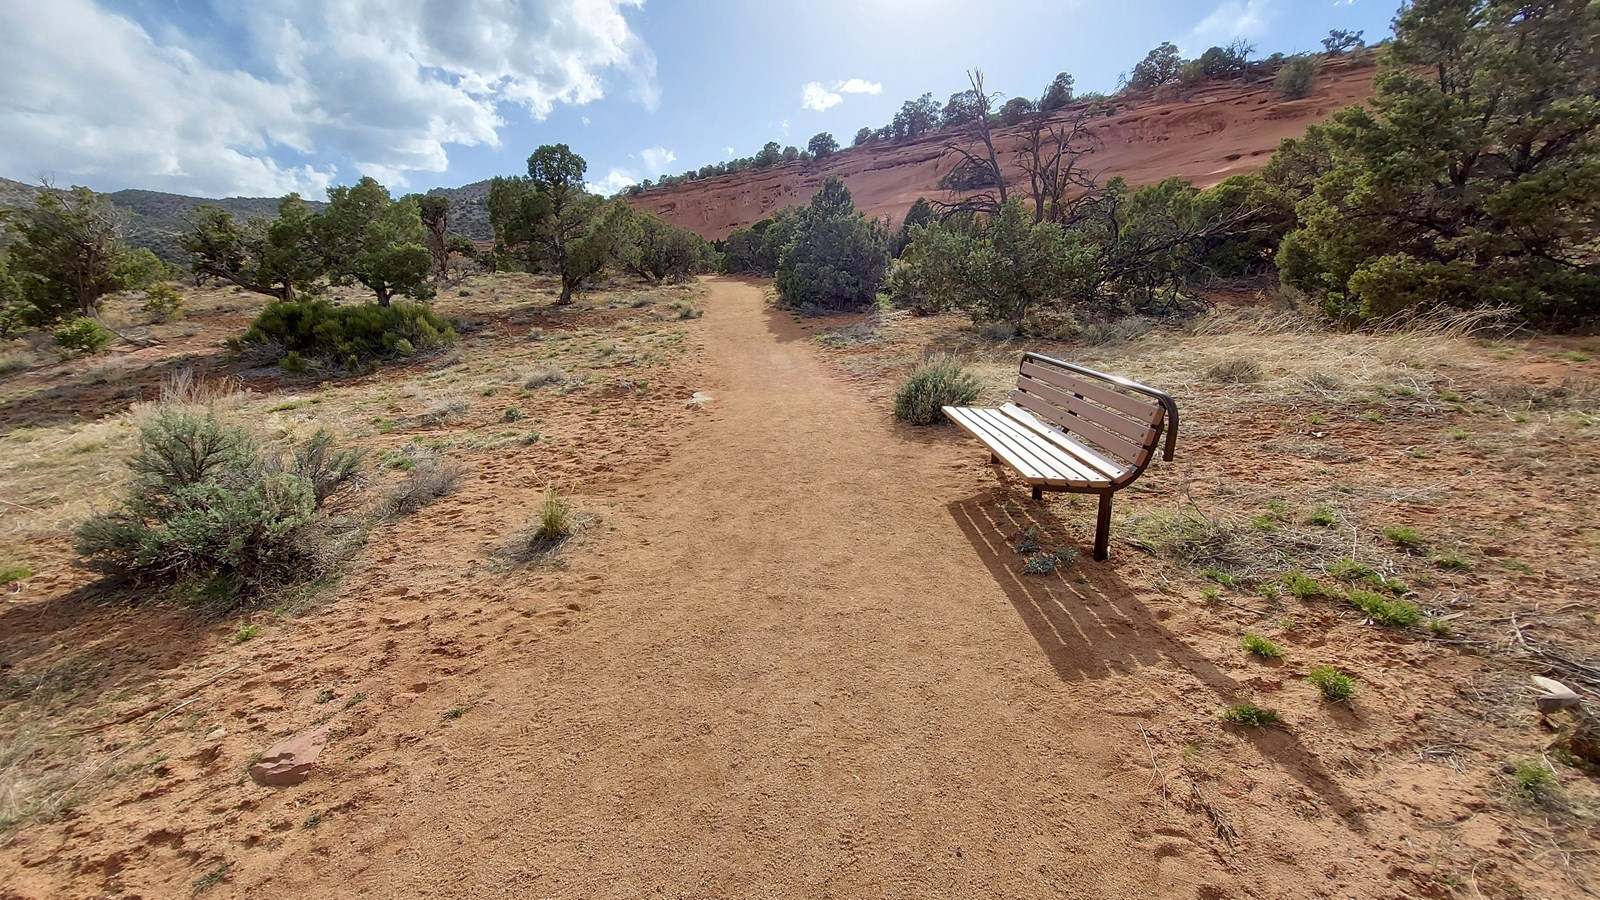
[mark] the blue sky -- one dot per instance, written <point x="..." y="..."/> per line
<point x="220" y="98"/>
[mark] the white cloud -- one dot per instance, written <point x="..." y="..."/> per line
<point x="387" y="84"/>
<point x="730" y="152"/>
<point x="858" y="86"/>
<point x="813" y="95"/>
<point x="1230" y="20"/>
<point x="656" y="159"/>
<point x="615" y="180"/>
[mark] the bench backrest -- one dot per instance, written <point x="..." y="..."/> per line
<point x="1122" y="419"/>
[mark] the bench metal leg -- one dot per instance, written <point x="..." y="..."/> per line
<point x="1038" y="493"/>
<point x="1102" y="529"/>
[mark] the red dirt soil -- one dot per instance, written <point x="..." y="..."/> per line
<point x="795" y="659"/>
<point x="1205" y="135"/>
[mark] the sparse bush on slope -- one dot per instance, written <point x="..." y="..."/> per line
<point x="1295" y="77"/>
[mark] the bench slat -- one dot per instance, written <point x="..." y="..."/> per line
<point x="1073" y="383"/>
<point x="1036" y="459"/>
<point x="1070" y="469"/>
<point x="1024" y="464"/>
<point x="1101" y="466"/>
<point x="1135" y="430"/>
<point x="1055" y="407"/>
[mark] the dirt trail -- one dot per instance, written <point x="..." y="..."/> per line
<point x="807" y="666"/>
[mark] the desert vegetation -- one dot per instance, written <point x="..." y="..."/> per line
<point x="542" y="515"/>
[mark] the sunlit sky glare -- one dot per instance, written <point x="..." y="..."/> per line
<point x="257" y="99"/>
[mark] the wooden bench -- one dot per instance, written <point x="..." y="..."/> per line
<point x="1073" y="429"/>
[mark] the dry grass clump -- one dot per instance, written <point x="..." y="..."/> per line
<point x="426" y="480"/>
<point x="543" y="376"/>
<point x="1115" y="331"/>
<point x="1189" y="537"/>
<point x="17" y="360"/>
<point x="1237" y="370"/>
<point x="445" y="410"/>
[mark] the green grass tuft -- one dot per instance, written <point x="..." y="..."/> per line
<point x="1302" y="585"/>
<point x="1391" y="611"/>
<point x="1336" y="687"/>
<point x="1404" y="536"/>
<point x="1250" y="715"/>
<point x="1533" y="779"/>
<point x="246" y="632"/>
<point x="557" y="521"/>
<point x="1260" y="646"/>
<point x="1322" y="517"/>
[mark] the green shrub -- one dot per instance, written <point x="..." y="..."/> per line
<point x="1391" y="611"/>
<point x="838" y="259"/>
<point x="162" y="303"/>
<point x="938" y="382"/>
<point x="1260" y="646"/>
<point x="1250" y="715"/>
<point x="1533" y="779"/>
<point x="207" y="506"/>
<point x="1295" y="77"/>
<point x="13" y="573"/>
<point x="352" y="334"/>
<point x="83" y="337"/>
<point x="1336" y="687"/>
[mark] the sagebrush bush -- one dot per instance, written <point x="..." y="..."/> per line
<point x="83" y="336"/>
<point x="162" y="303"/>
<point x="938" y="382"/>
<point x="354" y="333"/>
<point x="206" y="504"/>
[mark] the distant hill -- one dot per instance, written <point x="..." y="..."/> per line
<point x="156" y="219"/>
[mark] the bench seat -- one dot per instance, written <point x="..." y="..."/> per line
<point x="1068" y="428"/>
<point x="1041" y="454"/>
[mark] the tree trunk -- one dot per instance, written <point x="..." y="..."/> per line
<point x="566" y="292"/>
<point x="383" y="296"/>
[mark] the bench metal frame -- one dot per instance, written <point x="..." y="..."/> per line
<point x="1165" y="434"/>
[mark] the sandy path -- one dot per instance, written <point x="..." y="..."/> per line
<point x="806" y="668"/>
